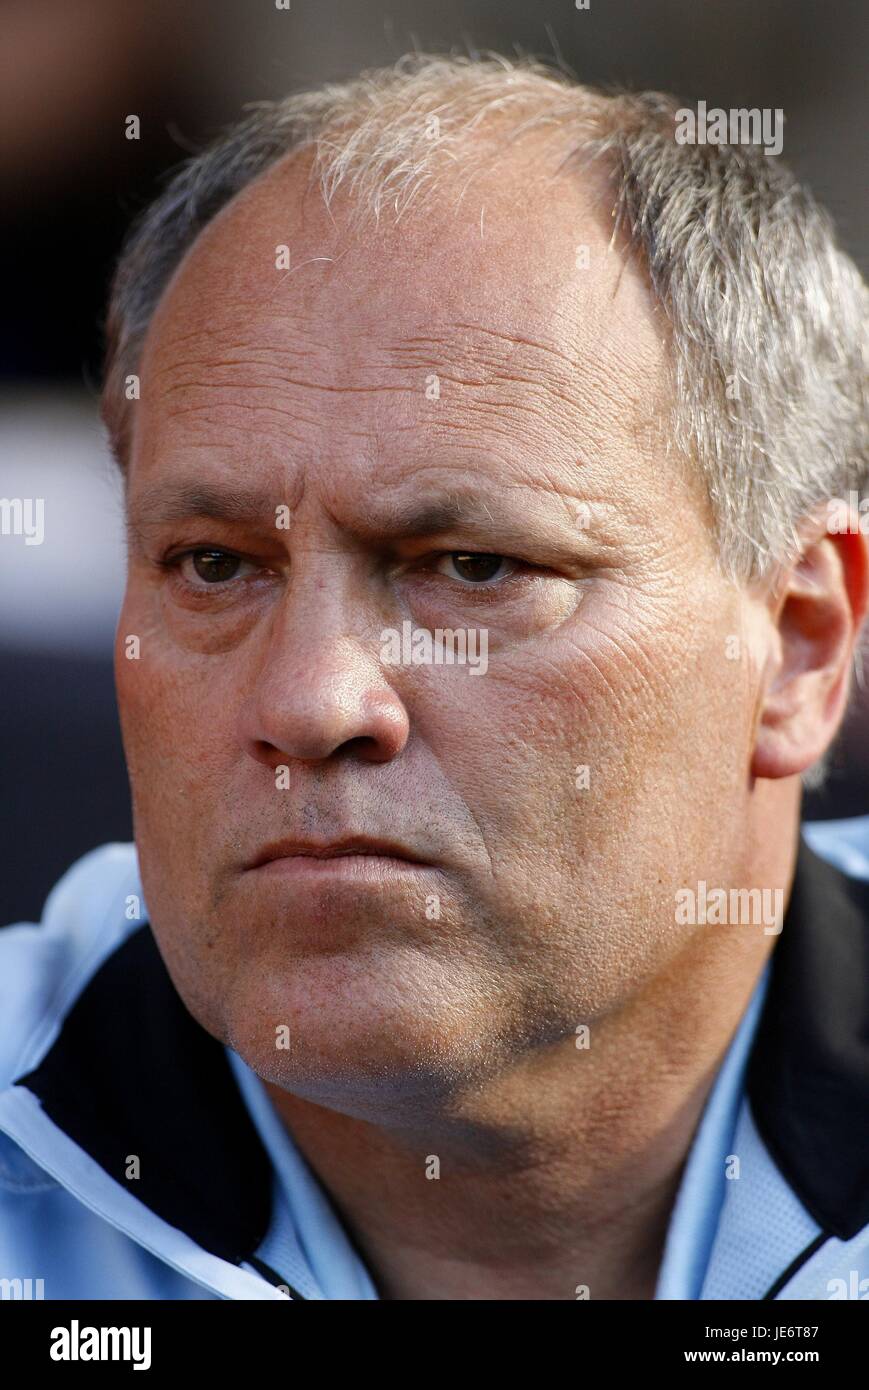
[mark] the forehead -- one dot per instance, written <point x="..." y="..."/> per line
<point x="500" y="297"/>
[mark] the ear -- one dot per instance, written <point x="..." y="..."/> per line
<point x="817" y="612"/>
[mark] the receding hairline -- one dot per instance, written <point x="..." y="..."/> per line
<point x="292" y="181"/>
<point x="298" y="173"/>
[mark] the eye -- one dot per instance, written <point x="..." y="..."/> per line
<point x="474" y="567"/>
<point x="211" y="566"/>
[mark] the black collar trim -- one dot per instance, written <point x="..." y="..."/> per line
<point x="808" y="1074"/>
<point x="133" y="1073"/>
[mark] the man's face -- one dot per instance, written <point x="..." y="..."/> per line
<point x="370" y="416"/>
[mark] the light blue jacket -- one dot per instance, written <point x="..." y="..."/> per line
<point x="141" y="1159"/>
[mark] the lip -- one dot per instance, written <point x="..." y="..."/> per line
<point x="352" y="869"/>
<point x="356" y="855"/>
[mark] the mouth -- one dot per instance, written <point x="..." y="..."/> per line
<point x="357" y="856"/>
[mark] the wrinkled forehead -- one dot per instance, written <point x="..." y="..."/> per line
<point x="509" y="267"/>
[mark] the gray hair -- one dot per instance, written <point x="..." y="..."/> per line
<point x="766" y="314"/>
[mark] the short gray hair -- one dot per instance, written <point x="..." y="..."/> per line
<point x="767" y="315"/>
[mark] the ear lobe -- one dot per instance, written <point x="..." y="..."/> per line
<point x="820" y="610"/>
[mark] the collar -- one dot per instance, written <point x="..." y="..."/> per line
<point x="131" y="1072"/>
<point x="697" y="1210"/>
<point x="808" y="1076"/>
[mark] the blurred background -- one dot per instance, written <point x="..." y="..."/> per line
<point x="72" y="72"/>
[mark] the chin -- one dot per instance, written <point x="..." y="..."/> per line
<point x="355" y="1037"/>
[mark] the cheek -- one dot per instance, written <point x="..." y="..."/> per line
<point x="627" y="725"/>
<point x="664" y="732"/>
<point x="170" y="715"/>
<point x="177" y="715"/>
<point x="585" y="703"/>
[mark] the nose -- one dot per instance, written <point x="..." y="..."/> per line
<point x="321" y="692"/>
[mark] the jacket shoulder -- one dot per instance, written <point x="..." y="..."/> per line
<point x="843" y="843"/>
<point x="44" y="965"/>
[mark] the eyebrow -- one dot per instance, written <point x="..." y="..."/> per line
<point x="181" y="500"/>
<point x="184" y="499"/>
<point x="427" y="518"/>
<point x="177" y="501"/>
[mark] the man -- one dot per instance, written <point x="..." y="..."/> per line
<point x="484" y="613"/>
